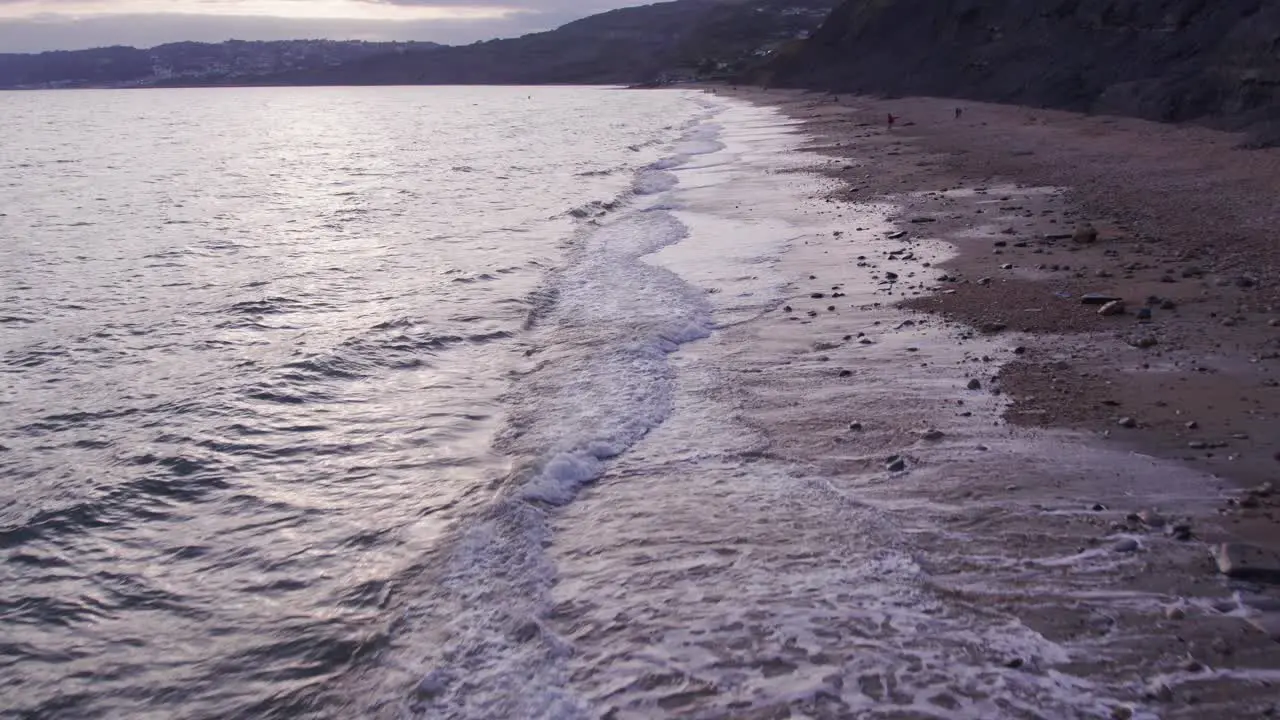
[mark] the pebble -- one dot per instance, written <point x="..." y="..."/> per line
<point x="855" y="426"/>
<point x="1085" y="234"/>
<point x="1125" y="545"/>
<point x="1160" y="691"/>
<point x="1248" y="562"/>
<point x="1127" y="422"/>
<point x="896" y="464"/>
<point x="1122" y="712"/>
<point x="932" y="434"/>
<point x="432" y="684"/>
<point x="1175" y="612"/>
<point x="845" y="373"/>
<point x="975" y="384"/>
<point x="1151" y="518"/>
<point x="1226" y="606"/>
<point x="1115" y="307"/>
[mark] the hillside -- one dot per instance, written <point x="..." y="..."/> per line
<point x="631" y="45"/>
<point x="1170" y="60"/>
<point x="684" y="38"/>
<point x="185" y="62"/>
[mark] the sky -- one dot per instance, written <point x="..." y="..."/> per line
<point x="38" y="25"/>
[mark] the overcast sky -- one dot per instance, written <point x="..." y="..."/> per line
<point x="36" y="25"/>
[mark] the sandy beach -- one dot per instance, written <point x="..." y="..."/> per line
<point x="1184" y="222"/>
<point x="1066" y="472"/>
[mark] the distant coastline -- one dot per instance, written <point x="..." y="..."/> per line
<point x="659" y="43"/>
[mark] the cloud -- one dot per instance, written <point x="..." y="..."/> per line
<point x="38" y="25"/>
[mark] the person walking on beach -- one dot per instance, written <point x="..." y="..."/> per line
<point x="959" y="112"/>
<point x="891" y="120"/>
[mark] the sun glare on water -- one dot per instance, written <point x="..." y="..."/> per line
<point x="322" y="9"/>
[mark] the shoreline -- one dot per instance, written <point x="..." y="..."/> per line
<point x="1200" y="380"/>
<point x="827" y="513"/>
<point x="1059" y="470"/>
<point x="835" y="520"/>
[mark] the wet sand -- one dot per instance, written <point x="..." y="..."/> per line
<point x="1185" y="224"/>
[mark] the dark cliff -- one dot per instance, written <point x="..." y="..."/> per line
<point x="1170" y="60"/>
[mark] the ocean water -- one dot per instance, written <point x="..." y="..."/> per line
<point x="485" y="403"/>
<point x="265" y="351"/>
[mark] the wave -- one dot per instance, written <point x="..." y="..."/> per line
<point x="603" y="327"/>
<point x="594" y="209"/>
<point x="392" y="345"/>
<point x="652" y="181"/>
<point x="266" y="306"/>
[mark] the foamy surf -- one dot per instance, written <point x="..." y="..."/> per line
<point x="751" y="557"/>
<point x="696" y="530"/>
<point x="598" y="379"/>
<point x="714" y="574"/>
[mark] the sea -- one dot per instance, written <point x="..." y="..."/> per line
<point x="282" y="365"/>
<point x="492" y="403"/>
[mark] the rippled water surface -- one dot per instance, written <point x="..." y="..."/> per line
<point x="477" y="404"/>
<point x="256" y="346"/>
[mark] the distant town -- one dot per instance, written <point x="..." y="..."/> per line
<point x="180" y="63"/>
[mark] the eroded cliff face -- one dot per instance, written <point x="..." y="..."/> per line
<point x="1172" y="60"/>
